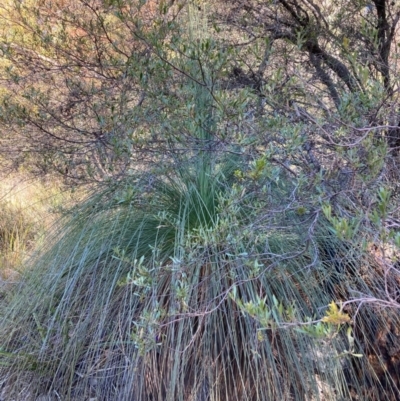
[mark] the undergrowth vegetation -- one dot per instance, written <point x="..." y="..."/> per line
<point x="28" y="207"/>
<point x="188" y="292"/>
<point x="240" y="240"/>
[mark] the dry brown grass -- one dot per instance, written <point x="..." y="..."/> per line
<point x="27" y="208"/>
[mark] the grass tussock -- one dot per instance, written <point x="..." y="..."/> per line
<point x="179" y="293"/>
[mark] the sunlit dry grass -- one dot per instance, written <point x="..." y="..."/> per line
<point x="27" y="208"/>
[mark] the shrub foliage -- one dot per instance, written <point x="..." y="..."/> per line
<point x="241" y="242"/>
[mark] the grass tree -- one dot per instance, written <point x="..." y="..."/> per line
<point x="190" y="290"/>
<point x="237" y="271"/>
